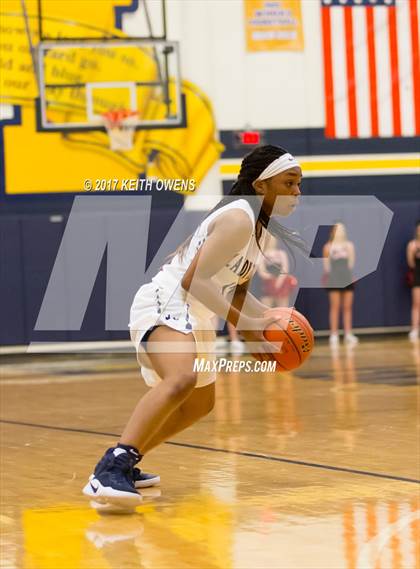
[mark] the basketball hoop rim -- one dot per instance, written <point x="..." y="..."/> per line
<point x="119" y="118"/>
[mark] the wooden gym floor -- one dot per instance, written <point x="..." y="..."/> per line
<point x="313" y="470"/>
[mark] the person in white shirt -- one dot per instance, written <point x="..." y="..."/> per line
<point x="339" y="259"/>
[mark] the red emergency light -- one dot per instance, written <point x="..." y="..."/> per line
<point x="248" y="137"/>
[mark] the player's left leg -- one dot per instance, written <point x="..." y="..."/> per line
<point x="349" y="337"/>
<point x="198" y="404"/>
<point x="112" y="480"/>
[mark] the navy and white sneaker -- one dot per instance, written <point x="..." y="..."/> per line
<point x="112" y="480"/>
<point x="144" y="479"/>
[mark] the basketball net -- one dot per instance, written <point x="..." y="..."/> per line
<point x="120" y="127"/>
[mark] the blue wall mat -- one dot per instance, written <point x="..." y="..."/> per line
<point x="93" y="326"/>
<point x="41" y="237"/>
<point x="30" y="244"/>
<point x="393" y="266"/>
<point x="12" y="306"/>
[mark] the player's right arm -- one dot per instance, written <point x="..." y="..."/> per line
<point x="227" y="235"/>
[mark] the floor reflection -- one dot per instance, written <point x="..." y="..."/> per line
<point x="345" y="396"/>
<point x="205" y="532"/>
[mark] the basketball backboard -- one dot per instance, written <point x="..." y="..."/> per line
<point x="79" y="81"/>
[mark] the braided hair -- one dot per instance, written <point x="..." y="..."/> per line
<point x="251" y="167"/>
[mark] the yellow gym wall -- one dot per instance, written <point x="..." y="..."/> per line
<point x="44" y="162"/>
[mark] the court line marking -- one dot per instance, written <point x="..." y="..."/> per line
<point x="86" y="376"/>
<point x="227" y="451"/>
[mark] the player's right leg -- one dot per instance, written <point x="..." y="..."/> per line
<point x="349" y="337"/>
<point x="112" y="480"/>
<point x="176" y="369"/>
<point x="334" y="316"/>
<point x="415" y="314"/>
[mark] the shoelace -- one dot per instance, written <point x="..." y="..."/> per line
<point x="123" y="461"/>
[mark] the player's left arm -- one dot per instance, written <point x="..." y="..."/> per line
<point x="326" y="257"/>
<point x="247" y="303"/>
<point x="352" y="255"/>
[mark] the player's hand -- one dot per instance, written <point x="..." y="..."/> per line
<point x="260" y="348"/>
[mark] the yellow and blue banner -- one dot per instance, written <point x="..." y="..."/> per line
<point x="273" y="25"/>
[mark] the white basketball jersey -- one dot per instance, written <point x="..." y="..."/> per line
<point x="237" y="271"/>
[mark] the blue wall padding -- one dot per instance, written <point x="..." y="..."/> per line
<point x="29" y="245"/>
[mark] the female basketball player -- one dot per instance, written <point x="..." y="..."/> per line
<point x="339" y="260"/>
<point x="171" y="316"/>
<point x="413" y="260"/>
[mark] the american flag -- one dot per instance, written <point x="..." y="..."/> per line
<point x="371" y="68"/>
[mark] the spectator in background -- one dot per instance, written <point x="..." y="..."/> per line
<point x="273" y="269"/>
<point x="413" y="260"/>
<point x="277" y="285"/>
<point x="233" y="344"/>
<point x="339" y="258"/>
<point x="236" y="346"/>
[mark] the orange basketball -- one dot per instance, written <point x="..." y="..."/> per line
<point x="293" y="333"/>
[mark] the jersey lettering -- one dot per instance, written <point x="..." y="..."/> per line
<point x="227" y="289"/>
<point x="246" y="269"/>
<point x="242" y="270"/>
<point x="235" y="267"/>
